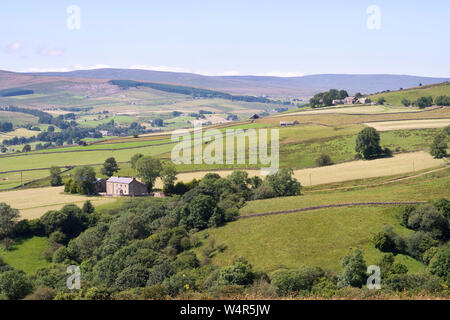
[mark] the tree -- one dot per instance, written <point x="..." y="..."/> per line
<point x="88" y="207"/>
<point x="15" y="285"/>
<point x="368" y="143"/>
<point x="423" y="102"/>
<point x="442" y="101"/>
<point x="55" y="176"/>
<point x="168" y="176"/>
<point x="110" y="167"/>
<point x="324" y="160"/>
<point x="439" y="146"/>
<point x="134" y="159"/>
<point x="8" y="219"/>
<point x="429" y="219"/>
<point x="240" y="273"/>
<point x="381" y="100"/>
<point x="283" y="183"/>
<point x="354" y="272"/>
<point x="26" y="148"/>
<point x="440" y="263"/>
<point x="406" y="102"/>
<point x="148" y="169"/>
<point x="446" y="130"/>
<point x="84" y="179"/>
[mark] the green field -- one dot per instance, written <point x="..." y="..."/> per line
<point x="395" y="97"/>
<point x="322" y="237"/>
<point x="27" y="254"/>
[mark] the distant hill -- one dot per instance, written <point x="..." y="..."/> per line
<point x="255" y="85"/>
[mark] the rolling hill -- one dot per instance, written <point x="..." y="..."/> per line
<point x="249" y="85"/>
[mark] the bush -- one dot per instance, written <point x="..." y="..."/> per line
<point x="15" y="285"/>
<point x="418" y="243"/>
<point x="439" y="146"/>
<point x="324" y="160"/>
<point x="240" y="273"/>
<point x="428" y="218"/>
<point x="423" y="102"/>
<point x="60" y="255"/>
<point x="155" y="292"/>
<point x="354" y="272"/>
<point x="263" y="192"/>
<point x="292" y="281"/>
<point x="384" y="242"/>
<point x="42" y="293"/>
<point x="440" y="263"/>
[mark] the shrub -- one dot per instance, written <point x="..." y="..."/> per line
<point x="240" y="273"/>
<point x="155" y="292"/>
<point x="440" y="263"/>
<point x="42" y="293"/>
<point x="302" y="279"/>
<point x="263" y="192"/>
<point x="324" y="160"/>
<point x="15" y="285"/>
<point x="354" y="272"/>
<point x="429" y="219"/>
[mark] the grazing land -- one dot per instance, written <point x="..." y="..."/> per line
<point x="27" y="254"/>
<point x="321" y="237"/>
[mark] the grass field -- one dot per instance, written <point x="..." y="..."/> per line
<point x="27" y="254"/>
<point x="322" y="237"/>
<point x="33" y="203"/>
<point x="317" y="238"/>
<point x="408" y="124"/>
<point x="395" y="97"/>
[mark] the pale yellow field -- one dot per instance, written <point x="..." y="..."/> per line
<point x="409" y="124"/>
<point x="367" y="109"/>
<point x="361" y="169"/>
<point x="33" y="203"/>
<point x="20" y="132"/>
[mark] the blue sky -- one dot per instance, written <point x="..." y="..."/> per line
<point x="228" y="37"/>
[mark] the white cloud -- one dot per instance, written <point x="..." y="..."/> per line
<point x="67" y="69"/>
<point x="282" y="74"/>
<point x="13" y="47"/>
<point x="160" y="68"/>
<point x="50" y="52"/>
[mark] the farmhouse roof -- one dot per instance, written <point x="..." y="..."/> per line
<point x="120" y="180"/>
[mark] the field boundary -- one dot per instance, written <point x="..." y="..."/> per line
<point x="325" y="206"/>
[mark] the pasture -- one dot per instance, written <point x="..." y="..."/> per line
<point x="27" y="254"/>
<point x="321" y="237"/>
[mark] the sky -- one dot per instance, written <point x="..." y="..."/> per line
<point x="244" y="37"/>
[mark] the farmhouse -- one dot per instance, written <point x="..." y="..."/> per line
<point x="288" y="123"/>
<point x="120" y="186"/>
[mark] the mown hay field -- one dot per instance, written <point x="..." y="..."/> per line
<point x="33" y="203"/>
<point x="352" y="170"/>
<point x="409" y="124"/>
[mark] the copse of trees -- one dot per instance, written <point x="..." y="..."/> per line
<point x="326" y="98"/>
<point x="82" y="181"/>
<point x="6" y="127"/>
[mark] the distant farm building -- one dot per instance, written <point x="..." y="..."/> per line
<point x="288" y="123"/>
<point x="254" y="117"/>
<point x="120" y="186"/>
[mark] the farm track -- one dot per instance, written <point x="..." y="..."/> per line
<point x="325" y="206"/>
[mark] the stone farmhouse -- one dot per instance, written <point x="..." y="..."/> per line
<point x="122" y="186"/>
